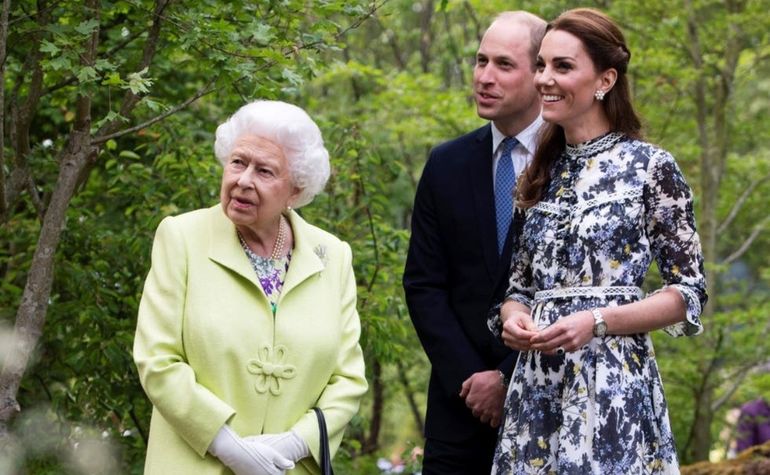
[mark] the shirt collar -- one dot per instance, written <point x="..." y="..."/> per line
<point x="527" y="137"/>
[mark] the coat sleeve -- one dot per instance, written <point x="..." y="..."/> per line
<point x="192" y="410"/>
<point x="341" y="398"/>
<point x="426" y="286"/>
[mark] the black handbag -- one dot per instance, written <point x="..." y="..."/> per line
<point x="326" y="460"/>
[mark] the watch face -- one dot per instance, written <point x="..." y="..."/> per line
<point x="600" y="329"/>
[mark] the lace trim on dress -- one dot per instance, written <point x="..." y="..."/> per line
<point x="559" y="209"/>
<point x="589" y="291"/>
<point x="548" y="207"/>
<point x="594" y="146"/>
<point x="630" y="193"/>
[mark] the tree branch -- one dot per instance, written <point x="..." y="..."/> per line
<point x="205" y="90"/>
<point x="150" y="47"/>
<point x="736" y="379"/>
<point x="426" y="35"/>
<point x="72" y="79"/>
<point x="373" y="234"/>
<point x="747" y="243"/>
<point x="23" y="110"/>
<point x="3" y="54"/>
<point x="35" y="197"/>
<point x="474" y="19"/>
<point x="393" y="42"/>
<point x="693" y="47"/>
<point x="458" y="58"/>
<point x="740" y="202"/>
<point x="106" y="133"/>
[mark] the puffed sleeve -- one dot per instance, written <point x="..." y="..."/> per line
<point x="192" y="410"/>
<point x="674" y="240"/>
<point x="340" y="400"/>
<point x="521" y="287"/>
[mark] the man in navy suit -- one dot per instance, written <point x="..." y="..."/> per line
<point x="461" y="246"/>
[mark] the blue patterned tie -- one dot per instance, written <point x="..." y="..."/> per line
<point x="505" y="182"/>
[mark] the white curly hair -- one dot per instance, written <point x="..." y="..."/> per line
<point x="289" y="127"/>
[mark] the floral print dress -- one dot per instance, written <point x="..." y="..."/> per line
<point x="270" y="272"/>
<point x="612" y="206"/>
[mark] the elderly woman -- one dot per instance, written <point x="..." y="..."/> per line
<point x="601" y="204"/>
<point x="248" y="317"/>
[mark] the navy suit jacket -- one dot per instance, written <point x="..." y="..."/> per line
<point x="454" y="276"/>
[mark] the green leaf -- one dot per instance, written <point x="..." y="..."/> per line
<point x="86" y="74"/>
<point x="137" y="83"/>
<point x="153" y="105"/>
<point x="111" y="115"/>
<point x="60" y="63"/>
<point x="87" y="27"/>
<point x="291" y="76"/>
<point x="261" y="34"/>
<point x="50" y="48"/>
<point x="105" y="65"/>
<point x="129" y="154"/>
<point x="112" y="79"/>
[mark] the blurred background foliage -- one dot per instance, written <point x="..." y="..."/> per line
<point x="385" y="81"/>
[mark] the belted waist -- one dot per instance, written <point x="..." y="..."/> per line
<point x="589" y="291"/>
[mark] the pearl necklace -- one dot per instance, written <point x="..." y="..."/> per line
<point x="279" y="240"/>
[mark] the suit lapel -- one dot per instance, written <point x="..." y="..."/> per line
<point x="480" y="173"/>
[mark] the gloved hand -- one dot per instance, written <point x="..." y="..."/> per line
<point x="253" y="458"/>
<point x="288" y="444"/>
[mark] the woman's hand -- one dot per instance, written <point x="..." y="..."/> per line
<point x="247" y="458"/>
<point x="518" y="327"/>
<point x="288" y="444"/>
<point x="566" y="334"/>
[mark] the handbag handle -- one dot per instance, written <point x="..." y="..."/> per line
<point x="326" y="460"/>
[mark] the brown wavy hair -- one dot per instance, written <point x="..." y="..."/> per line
<point x="606" y="46"/>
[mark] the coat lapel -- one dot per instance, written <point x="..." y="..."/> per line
<point x="307" y="258"/>
<point x="480" y="173"/>
<point x="225" y="248"/>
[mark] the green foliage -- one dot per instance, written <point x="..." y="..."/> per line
<point x="383" y="93"/>
<point x="83" y="378"/>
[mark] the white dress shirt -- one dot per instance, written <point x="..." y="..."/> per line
<point x="522" y="153"/>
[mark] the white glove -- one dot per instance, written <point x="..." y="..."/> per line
<point x="243" y="458"/>
<point x="288" y="444"/>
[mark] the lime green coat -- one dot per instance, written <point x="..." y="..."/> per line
<point x="209" y="351"/>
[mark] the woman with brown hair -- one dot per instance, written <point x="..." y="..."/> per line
<point x="600" y="205"/>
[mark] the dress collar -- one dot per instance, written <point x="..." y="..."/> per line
<point x="594" y="146"/>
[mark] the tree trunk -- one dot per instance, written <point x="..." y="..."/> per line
<point x="426" y="35"/>
<point x="409" y="393"/>
<point x="711" y="106"/>
<point x="372" y="443"/>
<point x="3" y="39"/>
<point x="30" y="316"/>
<point x="701" y="428"/>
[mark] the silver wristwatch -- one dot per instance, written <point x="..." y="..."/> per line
<point x="600" y="326"/>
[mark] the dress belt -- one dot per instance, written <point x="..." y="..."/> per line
<point x="588" y="291"/>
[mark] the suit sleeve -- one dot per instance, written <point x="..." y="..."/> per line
<point x="340" y="399"/>
<point x="426" y="286"/>
<point x="193" y="411"/>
